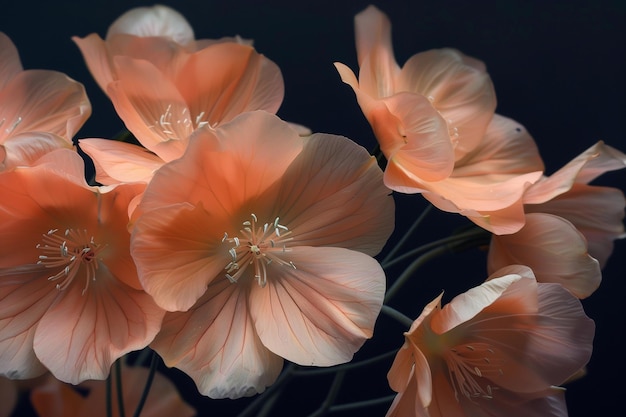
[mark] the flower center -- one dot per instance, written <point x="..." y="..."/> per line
<point x="471" y="368"/>
<point x="13" y="125"/>
<point x="72" y="251"/>
<point x="169" y="128"/>
<point x="258" y="246"/>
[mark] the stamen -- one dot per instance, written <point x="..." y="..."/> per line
<point x="258" y="247"/>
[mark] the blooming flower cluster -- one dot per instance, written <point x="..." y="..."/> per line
<point x="226" y="241"/>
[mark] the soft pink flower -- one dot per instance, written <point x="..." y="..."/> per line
<point x="70" y="298"/>
<point x="262" y="241"/>
<point x="496" y="350"/>
<point x="56" y="399"/>
<point x="164" y="85"/>
<point x="40" y="110"/>
<point x="434" y="120"/>
<point x="570" y="225"/>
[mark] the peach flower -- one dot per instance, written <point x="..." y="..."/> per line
<point x="260" y="242"/>
<point x="56" y="399"/>
<point x="70" y="299"/>
<point x="164" y="85"/>
<point x="570" y="225"/>
<point x="434" y="120"/>
<point x="496" y="350"/>
<point x="40" y="110"/>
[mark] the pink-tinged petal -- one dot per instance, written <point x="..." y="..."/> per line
<point x="533" y="350"/>
<point x="593" y="162"/>
<point x="227" y="79"/>
<point x="378" y="73"/>
<point x="406" y="403"/>
<point x="554" y="249"/>
<point x="401" y="370"/>
<point x="117" y="162"/>
<point x="227" y="167"/>
<point x="320" y="312"/>
<point x="597" y="212"/>
<point x="26" y="148"/>
<point x="151" y="107"/>
<point x="178" y="252"/>
<point x="354" y="210"/>
<point x="10" y="64"/>
<point x="467" y="305"/>
<point x="347" y="76"/>
<point x="45" y="101"/>
<point x="96" y="56"/>
<point x="215" y="343"/>
<point x="83" y="333"/>
<point x="507" y="149"/>
<point x="372" y="29"/>
<point x="458" y="87"/>
<point x="25" y="295"/>
<point x="157" y="20"/>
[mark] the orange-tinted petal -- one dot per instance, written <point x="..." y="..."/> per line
<point x="372" y="29"/>
<point x="26" y="148"/>
<point x="320" y="312"/>
<point x="117" y="162"/>
<point x="10" y="64"/>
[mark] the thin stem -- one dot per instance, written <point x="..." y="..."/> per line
<point x="475" y="232"/>
<point x="361" y="404"/>
<point x="414" y="266"/>
<point x="276" y="386"/>
<point x="332" y="394"/>
<point x="406" y="236"/>
<point x="344" y="367"/>
<point x="392" y="312"/>
<point x="144" y="395"/>
<point x="118" y="382"/>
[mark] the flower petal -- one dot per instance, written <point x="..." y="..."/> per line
<point x="117" y="162"/>
<point x="555" y="251"/>
<point x="26" y="148"/>
<point x="10" y="64"/>
<point x="82" y="334"/>
<point x="322" y="311"/>
<point x="216" y="344"/>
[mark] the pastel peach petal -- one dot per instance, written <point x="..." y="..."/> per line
<point x="554" y="249"/>
<point x="177" y="282"/>
<point x="151" y="107"/>
<point x="240" y="80"/>
<point x="596" y="212"/>
<point x="45" y="101"/>
<point x="353" y="211"/>
<point x="372" y="29"/>
<point x="460" y="89"/>
<point x="157" y="20"/>
<point x="26" y="148"/>
<point x="322" y="311"/>
<point x="82" y="334"/>
<point x="10" y="64"/>
<point x="215" y="343"/>
<point x="25" y="295"/>
<point x="95" y="54"/>
<point x="596" y="160"/>
<point x="117" y="162"/>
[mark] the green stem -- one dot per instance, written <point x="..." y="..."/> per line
<point x="332" y="394"/>
<point x="361" y="404"/>
<point x="144" y="395"/>
<point x="406" y="236"/>
<point x="118" y="382"/>
<point x="463" y="236"/>
<point x="344" y="367"/>
<point x="393" y="313"/>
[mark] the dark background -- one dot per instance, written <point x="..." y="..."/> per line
<point x="558" y="68"/>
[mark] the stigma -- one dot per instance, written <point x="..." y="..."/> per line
<point x="257" y="247"/>
<point x="70" y="253"/>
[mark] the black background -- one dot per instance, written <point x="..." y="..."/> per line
<point x="558" y="68"/>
